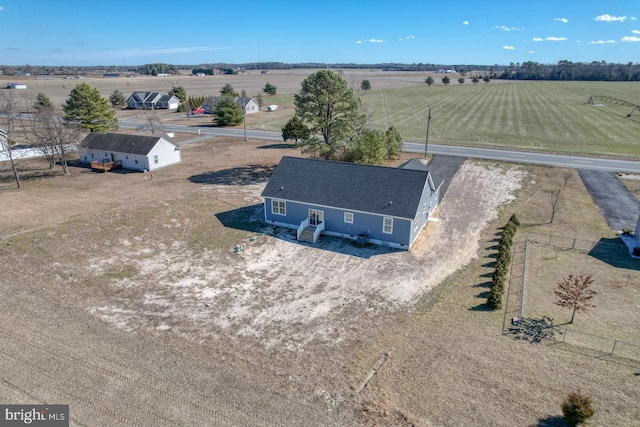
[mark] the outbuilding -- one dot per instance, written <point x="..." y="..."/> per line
<point x="382" y="205"/>
<point x="136" y="152"/>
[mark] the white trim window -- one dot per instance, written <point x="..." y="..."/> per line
<point x="348" y="217"/>
<point x="155" y="159"/>
<point x="387" y="225"/>
<point x="278" y="207"/>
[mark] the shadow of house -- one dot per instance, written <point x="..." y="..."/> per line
<point x="243" y="175"/>
<point x="250" y="218"/>
<point x="615" y="253"/>
<point x="247" y="218"/>
<point x="332" y="243"/>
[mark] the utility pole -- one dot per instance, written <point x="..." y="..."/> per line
<point x="426" y="142"/>
<point x="244" y="117"/>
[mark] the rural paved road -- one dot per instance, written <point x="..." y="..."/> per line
<point x="412" y="147"/>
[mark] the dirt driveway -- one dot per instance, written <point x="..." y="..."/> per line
<point x="113" y="275"/>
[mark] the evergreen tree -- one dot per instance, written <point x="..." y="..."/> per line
<point x="295" y="130"/>
<point x="42" y="101"/>
<point x="270" y="89"/>
<point x="117" y="99"/>
<point x="89" y="109"/>
<point x="228" y="112"/>
<point x="228" y="90"/>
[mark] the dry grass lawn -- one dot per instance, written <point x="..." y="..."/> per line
<point x="123" y="296"/>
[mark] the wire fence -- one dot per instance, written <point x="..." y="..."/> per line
<point x="543" y="329"/>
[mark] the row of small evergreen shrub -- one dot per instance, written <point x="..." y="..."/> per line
<point x="503" y="261"/>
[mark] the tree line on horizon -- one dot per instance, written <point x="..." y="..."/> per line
<point x="529" y="70"/>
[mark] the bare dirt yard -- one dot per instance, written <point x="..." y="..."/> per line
<point x="166" y="301"/>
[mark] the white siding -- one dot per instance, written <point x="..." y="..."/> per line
<point x="168" y="154"/>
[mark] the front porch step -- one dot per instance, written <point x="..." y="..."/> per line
<point x="307" y="234"/>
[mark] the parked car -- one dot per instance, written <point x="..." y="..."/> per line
<point x="198" y="111"/>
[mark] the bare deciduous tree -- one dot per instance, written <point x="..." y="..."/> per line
<point x="152" y="121"/>
<point x="8" y="123"/>
<point x="556" y="202"/>
<point x="53" y="135"/>
<point x="575" y="292"/>
<point x="566" y="177"/>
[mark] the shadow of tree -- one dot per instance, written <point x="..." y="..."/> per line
<point x="481" y="307"/>
<point x="552" y="421"/>
<point x="535" y="330"/>
<point x="484" y="284"/>
<point x="277" y="146"/>
<point x="243" y="175"/>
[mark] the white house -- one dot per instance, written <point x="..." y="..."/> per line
<point x="250" y="105"/>
<point x="143" y="153"/>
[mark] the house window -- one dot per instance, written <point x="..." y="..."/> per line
<point x="387" y="225"/>
<point x="127" y="157"/>
<point x="278" y="207"/>
<point x="155" y="159"/>
<point x="348" y="217"/>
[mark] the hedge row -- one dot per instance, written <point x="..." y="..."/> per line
<point x="503" y="261"/>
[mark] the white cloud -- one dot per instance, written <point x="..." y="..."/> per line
<point x="635" y="31"/>
<point x="608" y="18"/>
<point x="358" y="41"/>
<point x="369" y="41"/>
<point x="505" y="28"/>
<point x="633" y="18"/>
<point x="551" y="39"/>
<point x="630" y="39"/>
<point x="465" y="22"/>
<point x="602" y="42"/>
<point x="531" y="51"/>
<point x="43" y="25"/>
<point x="563" y="20"/>
<point x="1" y="8"/>
<point x="508" y="47"/>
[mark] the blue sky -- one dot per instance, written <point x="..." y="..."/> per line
<point x="133" y="32"/>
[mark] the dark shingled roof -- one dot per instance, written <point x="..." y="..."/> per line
<point x="350" y="186"/>
<point x="121" y="143"/>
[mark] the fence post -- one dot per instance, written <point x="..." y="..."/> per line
<point x="615" y="342"/>
<point x="524" y="275"/>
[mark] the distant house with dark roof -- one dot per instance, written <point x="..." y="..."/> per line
<point x="382" y="205"/>
<point x="152" y="100"/>
<point x="144" y="153"/>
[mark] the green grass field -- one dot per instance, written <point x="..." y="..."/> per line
<point x="545" y="116"/>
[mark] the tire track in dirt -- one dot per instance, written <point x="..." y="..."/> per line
<point x="37" y="349"/>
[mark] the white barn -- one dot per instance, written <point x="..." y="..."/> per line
<point x="143" y="153"/>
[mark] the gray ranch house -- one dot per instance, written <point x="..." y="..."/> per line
<point x="136" y="152"/>
<point x="382" y="205"/>
<point x="152" y="100"/>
